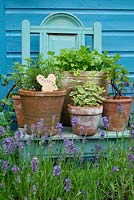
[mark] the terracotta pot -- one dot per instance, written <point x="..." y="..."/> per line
<point x="18" y="110"/>
<point x="46" y="105"/>
<point x="70" y="81"/>
<point x="117" y="111"/>
<point x="87" y="119"/>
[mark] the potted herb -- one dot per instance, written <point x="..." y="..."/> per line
<point x="117" y="106"/>
<point x="76" y="65"/>
<point x="86" y="107"/>
<point x="38" y="103"/>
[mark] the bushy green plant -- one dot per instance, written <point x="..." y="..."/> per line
<point x="79" y="60"/>
<point x="88" y="94"/>
<point x="34" y="67"/>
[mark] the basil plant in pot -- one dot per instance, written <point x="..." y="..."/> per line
<point x="76" y="65"/>
<point x="40" y="96"/>
<point x="86" y="107"/>
<point x="116" y="107"/>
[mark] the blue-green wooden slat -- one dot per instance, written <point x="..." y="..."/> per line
<point x="117" y="43"/>
<point x="75" y="4"/>
<point x="2" y="38"/>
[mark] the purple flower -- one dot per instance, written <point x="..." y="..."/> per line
<point x="15" y="168"/>
<point x="97" y="147"/>
<point x="56" y="171"/>
<point x="131" y="157"/>
<point x="67" y="185"/>
<point x="59" y="127"/>
<point x="9" y="145"/>
<point x="132" y="133"/>
<point x="131" y="148"/>
<point x="24" y="130"/>
<point x="2" y="131"/>
<point x="5" y="165"/>
<point x="20" y="145"/>
<point x="105" y="122"/>
<point x="126" y="84"/>
<point x="69" y="146"/>
<point x="81" y="129"/>
<point x="43" y="139"/>
<point x="28" y="141"/>
<point x="74" y="120"/>
<point x="119" y="108"/>
<point x="34" y="164"/>
<point x="115" y="169"/>
<point x="102" y="134"/>
<point x="18" y="134"/>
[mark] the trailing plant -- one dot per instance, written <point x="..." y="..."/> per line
<point x="88" y="94"/>
<point x="117" y="75"/>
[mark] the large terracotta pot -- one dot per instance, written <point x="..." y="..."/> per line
<point x="70" y="81"/>
<point x="18" y="110"/>
<point x="47" y="105"/>
<point x="117" y="111"/>
<point x="86" y="119"/>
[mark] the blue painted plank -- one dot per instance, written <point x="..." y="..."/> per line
<point x="75" y="4"/>
<point x="118" y="43"/>
<point x="2" y="38"/>
<point x="14" y="43"/>
<point x="111" y="21"/>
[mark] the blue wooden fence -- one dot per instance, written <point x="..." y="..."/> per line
<point x="116" y="17"/>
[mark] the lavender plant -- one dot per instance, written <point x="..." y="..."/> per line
<point x="109" y="174"/>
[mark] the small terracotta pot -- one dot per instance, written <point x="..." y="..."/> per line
<point x="18" y="110"/>
<point x="117" y="111"/>
<point x="71" y="81"/>
<point x="87" y="119"/>
<point x="47" y="105"/>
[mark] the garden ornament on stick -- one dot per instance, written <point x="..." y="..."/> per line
<point x="48" y="84"/>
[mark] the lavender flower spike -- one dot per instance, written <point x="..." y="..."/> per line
<point x="34" y="164"/>
<point x="56" y="171"/>
<point x="67" y="185"/>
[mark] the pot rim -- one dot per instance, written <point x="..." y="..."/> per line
<point x="85" y="110"/>
<point x="121" y="99"/>
<point x="24" y="92"/>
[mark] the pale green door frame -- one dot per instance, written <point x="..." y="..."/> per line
<point x="60" y="30"/>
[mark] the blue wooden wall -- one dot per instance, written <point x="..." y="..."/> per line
<point x="116" y="16"/>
